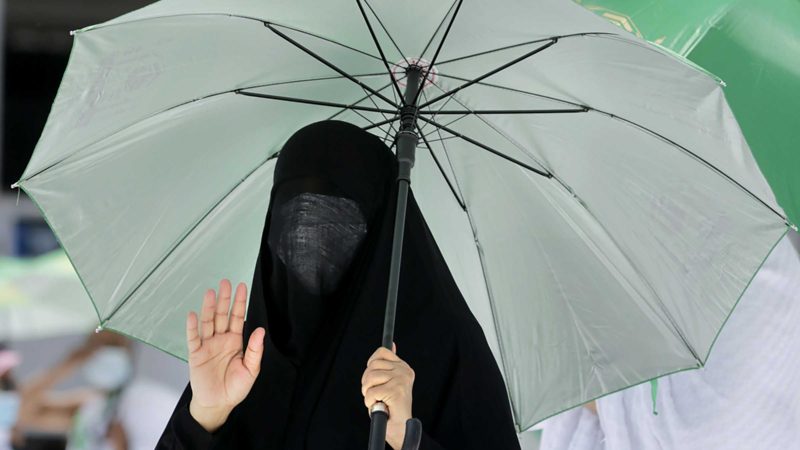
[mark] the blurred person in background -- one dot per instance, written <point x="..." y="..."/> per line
<point x="80" y="418"/>
<point x="9" y="397"/>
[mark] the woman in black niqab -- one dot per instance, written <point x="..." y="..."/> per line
<point x="319" y="289"/>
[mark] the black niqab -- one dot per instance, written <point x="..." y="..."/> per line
<point x="321" y="329"/>
<point x="321" y="207"/>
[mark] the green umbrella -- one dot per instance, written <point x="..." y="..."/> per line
<point x="592" y="194"/>
<point x="755" y="48"/>
<point x="42" y="297"/>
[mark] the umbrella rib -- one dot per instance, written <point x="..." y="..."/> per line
<point x="386" y="136"/>
<point x="491" y="72"/>
<point x="225" y="15"/>
<point x="506" y="111"/>
<point x="498" y="131"/>
<point x="364" y="117"/>
<point x="450" y="162"/>
<point x="696" y="156"/>
<point x="368" y="96"/>
<point x="436" y="31"/>
<point x="449" y="99"/>
<point x="447" y="125"/>
<point x="495" y="316"/>
<point x="386" y="30"/>
<point x="489" y="149"/>
<point x="179" y="105"/>
<point x="381" y="123"/>
<point x="314" y="102"/>
<point x="436" y="55"/>
<point x="642" y="278"/>
<point x="536" y="41"/>
<point x="361" y="100"/>
<point x="378" y="45"/>
<point x="183" y="238"/>
<point x="391" y="126"/>
<point x="642" y="128"/>
<point x="510" y="89"/>
<point x="478" y="248"/>
<point x="329" y="64"/>
<point x="327" y="40"/>
<point x="367" y="119"/>
<point x="441" y="170"/>
<point x="440" y="139"/>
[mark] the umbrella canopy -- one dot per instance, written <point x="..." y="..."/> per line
<point x="42" y="297"/>
<point x="592" y="194"/>
<point x="750" y="45"/>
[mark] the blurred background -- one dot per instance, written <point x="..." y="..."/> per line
<point x="54" y="363"/>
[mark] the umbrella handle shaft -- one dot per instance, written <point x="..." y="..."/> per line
<point x="406" y="140"/>
<point x="379" y="413"/>
<point x="377" y="427"/>
<point x="394" y="269"/>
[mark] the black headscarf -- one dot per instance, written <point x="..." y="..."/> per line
<point x="321" y="329"/>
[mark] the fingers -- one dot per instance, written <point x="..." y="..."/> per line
<point x="390" y="393"/>
<point x="192" y="335"/>
<point x="254" y="350"/>
<point x="383" y="353"/>
<point x="239" y="308"/>
<point x="207" y="314"/>
<point x="379" y="364"/>
<point x="386" y="376"/>
<point x="223" y="305"/>
<point x="374" y="378"/>
<point x="382" y="364"/>
<point x="214" y="312"/>
<point x="376" y="394"/>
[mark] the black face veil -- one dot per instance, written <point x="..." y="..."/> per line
<point x="320" y="287"/>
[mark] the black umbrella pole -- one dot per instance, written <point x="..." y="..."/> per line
<point x="379" y="412"/>
<point x="406" y="139"/>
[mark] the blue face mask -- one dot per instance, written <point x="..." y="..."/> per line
<point x="9" y="406"/>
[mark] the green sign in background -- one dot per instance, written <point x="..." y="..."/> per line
<point x="754" y="46"/>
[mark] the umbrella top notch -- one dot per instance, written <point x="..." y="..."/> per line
<point x="400" y="70"/>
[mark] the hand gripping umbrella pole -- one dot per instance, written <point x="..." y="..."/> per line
<point x="406" y="140"/>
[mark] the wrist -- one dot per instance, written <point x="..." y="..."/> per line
<point x="211" y="419"/>
<point x="395" y="435"/>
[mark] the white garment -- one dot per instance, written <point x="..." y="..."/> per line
<point x="144" y="410"/>
<point x="5" y="439"/>
<point x="747" y="397"/>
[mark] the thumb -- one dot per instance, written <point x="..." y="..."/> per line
<point x="254" y="350"/>
<point x="394" y="348"/>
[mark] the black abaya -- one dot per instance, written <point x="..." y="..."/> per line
<point x="308" y="393"/>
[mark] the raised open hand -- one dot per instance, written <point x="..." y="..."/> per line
<point x="221" y="374"/>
